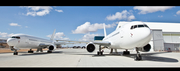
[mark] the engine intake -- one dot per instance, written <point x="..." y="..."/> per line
<point x="51" y="47"/>
<point x="90" y="47"/>
<point x="145" y="48"/>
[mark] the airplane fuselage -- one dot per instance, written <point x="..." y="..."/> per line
<point x="26" y="41"/>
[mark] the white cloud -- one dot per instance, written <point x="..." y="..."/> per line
<point x="88" y="37"/>
<point x="151" y="9"/>
<point x="131" y="17"/>
<point x="5" y="34"/>
<point x="14" y="24"/>
<point x="26" y="26"/>
<point x="160" y="16"/>
<point x="88" y="27"/>
<point x="59" y="35"/>
<point x="58" y="10"/>
<point x="122" y="15"/>
<point x="178" y="12"/>
<point x="38" y="10"/>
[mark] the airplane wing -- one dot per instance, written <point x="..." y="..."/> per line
<point x="102" y="43"/>
<point x="55" y="43"/>
<point x="62" y="43"/>
<point x="74" y="41"/>
<point x="44" y="45"/>
<point x="106" y="43"/>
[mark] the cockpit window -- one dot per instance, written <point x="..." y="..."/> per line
<point x="135" y="26"/>
<point x="146" y="25"/>
<point x="15" y="37"/>
<point x="132" y="27"/>
<point x="138" y="26"/>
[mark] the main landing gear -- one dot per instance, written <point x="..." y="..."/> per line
<point x="30" y="51"/>
<point x="138" y="55"/>
<point x="126" y="52"/>
<point x="100" y="52"/>
<point x="112" y="51"/>
<point x="49" y="51"/>
<point x="39" y="49"/>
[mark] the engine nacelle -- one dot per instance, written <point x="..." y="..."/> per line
<point x="90" y="47"/>
<point x="145" y="48"/>
<point x="51" y="47"/>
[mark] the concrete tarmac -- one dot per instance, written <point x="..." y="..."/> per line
<point x="81" y="58"/>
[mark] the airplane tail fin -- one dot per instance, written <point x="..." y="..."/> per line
<point x="104" y="30"/>
<point x="52" y="36"/>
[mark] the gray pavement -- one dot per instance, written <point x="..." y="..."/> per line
<point x="81" y="58"/>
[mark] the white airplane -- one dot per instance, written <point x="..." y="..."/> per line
<point x="126" y="36"/>
<point x="22" y="41"/>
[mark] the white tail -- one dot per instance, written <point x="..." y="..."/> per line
<point x="52" y="36"/>
<point x="104" y="30"/>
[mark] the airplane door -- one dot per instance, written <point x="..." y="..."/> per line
<point x="27" y="41"/>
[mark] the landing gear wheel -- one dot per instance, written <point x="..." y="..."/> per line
<point x="126" y="52"/>
<point x="15" y="53"/>
<point x="49" y="51"/>
<point x="30" y="51"/>
<point x="137" y="57"/>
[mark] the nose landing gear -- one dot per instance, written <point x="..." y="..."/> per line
<point x="138" y="55"/>
<point x="15" y="52"/>
<point x="126" y="52"/>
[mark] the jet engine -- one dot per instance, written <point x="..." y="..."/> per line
<point x="145" y="48"/>
<point x="51" y="47"/>
<point x="90" y="47"/>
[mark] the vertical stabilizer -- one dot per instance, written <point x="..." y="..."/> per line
<point x="52" y="36"/>
<point x="104" y="30"/>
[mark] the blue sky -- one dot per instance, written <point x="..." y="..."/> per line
<point x="77" y="22"/>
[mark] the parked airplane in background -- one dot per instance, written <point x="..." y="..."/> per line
<point x="126" y="36"/>
<point x="22" y="41"/>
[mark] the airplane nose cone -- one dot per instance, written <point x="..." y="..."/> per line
<point x="11" y="42"/>
<point x="145" y="33"/>
<point x="146" y="36"/>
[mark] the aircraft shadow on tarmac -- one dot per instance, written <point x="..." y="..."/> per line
<point x="145" y="56"/>
<point x="38" y="53"/>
